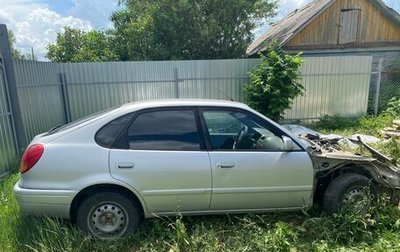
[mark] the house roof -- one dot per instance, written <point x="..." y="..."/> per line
<point x="289" y="26"/>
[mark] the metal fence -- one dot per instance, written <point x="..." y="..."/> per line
<point x="40" y="96"/>
<point x="388" y="84"/>
<point x="334" y="85"/>
<point x="7" y="133"/>
<point x="51" y="94"/>
<point x="95" y="86"/>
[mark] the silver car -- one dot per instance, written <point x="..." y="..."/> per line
<point x="108" y="171"/>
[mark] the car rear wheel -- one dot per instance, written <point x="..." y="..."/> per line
<point x="108" y="215"/>
<point x="350" y="193"/>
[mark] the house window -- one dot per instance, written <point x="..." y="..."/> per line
<point x="349" y="25"/>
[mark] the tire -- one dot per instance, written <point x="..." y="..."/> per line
<point x="108" y="215"/>
<point x="349" y="193"/>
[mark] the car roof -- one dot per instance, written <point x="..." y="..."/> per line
<point x="183" y="102"/>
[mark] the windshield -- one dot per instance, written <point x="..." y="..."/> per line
<point x="84" y="119"/>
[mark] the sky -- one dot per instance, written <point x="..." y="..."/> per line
<point x="35" y="23"/>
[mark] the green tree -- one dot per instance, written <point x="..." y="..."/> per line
<point x="274" y="82"/>
<point x="16" y="54"/>
<point x="187" y="29"/>
<point x="74" y="45"/>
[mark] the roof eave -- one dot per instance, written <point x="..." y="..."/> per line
<point x="307" y="22"/>
<point x="389" y="12"/>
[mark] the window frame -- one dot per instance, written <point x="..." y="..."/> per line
<point x="124" y="132"/>
<point x="275" y="130"/>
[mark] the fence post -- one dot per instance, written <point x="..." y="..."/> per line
<point x="65" y="98"/>
<point x="378" y="86"/>
<point x="176" y="78"/>
<point x="11" y="84"/>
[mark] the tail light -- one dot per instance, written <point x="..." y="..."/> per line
<point x="30" y="157"/>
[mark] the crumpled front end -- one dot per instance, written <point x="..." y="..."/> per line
<point x="329" y="157"/>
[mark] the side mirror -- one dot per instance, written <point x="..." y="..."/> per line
<point x="287" y="143"/>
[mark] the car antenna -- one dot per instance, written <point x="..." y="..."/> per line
<point x="225" y="94"/>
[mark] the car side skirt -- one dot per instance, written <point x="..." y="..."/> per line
<point x="219" y="212"/>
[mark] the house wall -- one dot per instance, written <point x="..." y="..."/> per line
<point x="374" y="26"/>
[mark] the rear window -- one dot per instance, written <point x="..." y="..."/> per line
<point x="84" y="119"/>
<point x="109" y="133"/>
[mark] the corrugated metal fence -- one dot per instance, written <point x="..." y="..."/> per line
<point x="40" y="96"/>
<point x="52" y="94"/>
<point x="334" y="85"/>
<point x="94" y="86"/>
<point x="7" y="137"/>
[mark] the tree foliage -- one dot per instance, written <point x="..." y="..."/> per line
<point x="274" y="82"/>
<point x="167" y="30"/>
<point x="74" y="45"/>
<point x="187" y="29"/>
<point x="16" y="54"/>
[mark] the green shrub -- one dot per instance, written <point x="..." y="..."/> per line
<point x="372" y="125"/>
<point x="274" y="83"/>
<point x="336" y="122"/>
<point x="393" y="107"/>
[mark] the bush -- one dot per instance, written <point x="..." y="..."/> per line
<point x="372" y="125"/>
<point x="274" y="83"/>
<point x="393" y="107"/>
<point x="336" y="122"/>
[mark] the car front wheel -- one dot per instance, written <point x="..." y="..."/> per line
<point x="351" y="193"/>
<point x="108" y="215"/>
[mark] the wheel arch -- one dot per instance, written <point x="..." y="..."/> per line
<point x="93" y="189"/>
<point x="322" y="182"/>
<point x="348" y="190"/>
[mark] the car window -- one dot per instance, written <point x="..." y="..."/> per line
<point x="222" y="123"/>
<point x="233" y="130"/>
<point x="163" y="130"/>
<point x="79" y="121"/>
<point x="109" y="133"/>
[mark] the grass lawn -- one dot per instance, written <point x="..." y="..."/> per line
<point x="301" y="231"/>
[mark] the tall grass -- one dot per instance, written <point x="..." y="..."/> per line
<point x="347" y="126"/>
<point x="303" y="231"/>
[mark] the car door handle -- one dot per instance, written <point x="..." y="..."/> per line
<point x="125" y="165"/>
<point x="225" y="165"/>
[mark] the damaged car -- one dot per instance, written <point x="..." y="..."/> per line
<point x="109" y="171"/>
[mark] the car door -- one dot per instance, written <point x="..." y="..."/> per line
<point x="250" y="168"/>
<point x="162" y="154"/>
